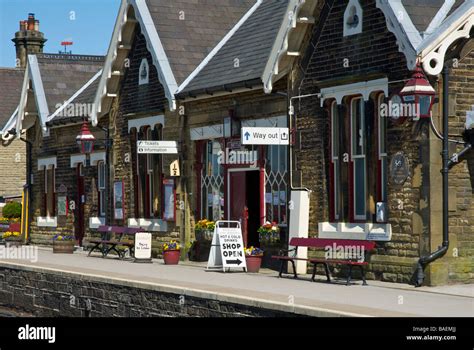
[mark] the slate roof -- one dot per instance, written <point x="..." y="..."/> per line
<point x="422" y="12"/>
<point x="86" y="96"/>
<point x="11" y="81"/>
<point x="63" y="75"/>
<point x="188" y="41"/>
<point x="251" y="45"/>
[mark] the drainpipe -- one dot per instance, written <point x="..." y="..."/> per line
<point x="425" y="260"/>
<point x="29" y="173"/>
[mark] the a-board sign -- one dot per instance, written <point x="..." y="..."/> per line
<point x="227" y="250"/>
<point x="157" y="147"/>
<point x="143" y="246"/>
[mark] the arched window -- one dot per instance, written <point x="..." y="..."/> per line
<point x="353" y="18"/>
<point x="144" y="72"/>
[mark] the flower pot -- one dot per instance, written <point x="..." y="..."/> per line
<point x="203" y="236"/>
<point x="171" y="257"/>
<point x="253" y="263"/>
<point x="63" y="247"/>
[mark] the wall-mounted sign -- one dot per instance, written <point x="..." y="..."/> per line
<point x="62" y="206"/>
<point x="118" y="200"/>
<point x="265" y="136"/>
<point x="399" y="169"/>
<point x="169" y="199"/>
<point x="174" y="168"/>
<point x="142" y="246"/>
<point x="157" y="147"/>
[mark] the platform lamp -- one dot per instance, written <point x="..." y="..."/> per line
<point x="85" y="140"/>
<point x="419" y="93"/>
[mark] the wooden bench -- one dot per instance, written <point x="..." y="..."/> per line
<point x="107" y="243"/>
<point x="347" y="245"/>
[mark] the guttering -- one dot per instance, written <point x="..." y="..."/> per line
<point x="220" y="90"/>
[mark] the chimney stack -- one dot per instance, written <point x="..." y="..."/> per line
<point x="28" y="40"/>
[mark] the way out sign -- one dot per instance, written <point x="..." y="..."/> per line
<point x="143" y="247"/>
<point x="157" y="147"/>
<point x="265" y="136"/>
<point x="227" y="250"/>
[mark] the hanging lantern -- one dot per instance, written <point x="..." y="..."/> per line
<point x="85" y="139"/>
<point x="419" y="94"/>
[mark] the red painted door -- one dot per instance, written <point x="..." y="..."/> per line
<point x="237" y="200"/>
<point x="80" y="201"/>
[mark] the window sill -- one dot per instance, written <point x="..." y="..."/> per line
<point x="96" y="222"/>
<point x="154" y="225"/>
<point x="47" y="221"/>
<point x="361" y="231"/>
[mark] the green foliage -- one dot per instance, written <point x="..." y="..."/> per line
<point x="12" y="210"/>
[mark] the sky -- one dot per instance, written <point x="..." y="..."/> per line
<point x="88" y="23"/>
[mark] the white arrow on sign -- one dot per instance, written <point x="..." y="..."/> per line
<point x="265" y="136"/>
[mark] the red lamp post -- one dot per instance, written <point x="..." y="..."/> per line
<point x="419" y="93"/>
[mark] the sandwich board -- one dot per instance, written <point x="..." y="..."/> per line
<point x="227" y="249"/>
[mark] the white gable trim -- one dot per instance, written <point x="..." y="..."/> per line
<point x="400" y="24"/>
<point x="40" y="96"/>
<point x="280" y="47"/>
<point x="154" y="46"/>
<point x="216" y="49"/>
<point x="149" y="121"/>
<point x="160" y="59"/>
<point x="433" y="49"/>
<point x="364" y="88"/>
<point x="111" y="55"/>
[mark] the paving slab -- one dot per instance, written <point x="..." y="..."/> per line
<point x="265" y="289"/>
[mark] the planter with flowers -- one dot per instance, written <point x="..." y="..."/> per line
<point x="271" y="242"/>
<point x="63" y="244"/>
<point x="171" y="253"/>
<point x="253" y="257"/>
<point x="12" y="238"/>
<point x="204" y="230"/>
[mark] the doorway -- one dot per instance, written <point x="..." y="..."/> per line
<point x="244" y="202"/>
<point x="79" y="228"/>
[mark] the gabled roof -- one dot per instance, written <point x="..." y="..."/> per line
<point x="422" y="12"/>
<point x="203" y="23"/>
<point x="179" y="34"/>
<point x="11" y="80"/>
<point x="63" y="75"/>
<point x="78" y="106"/>
<point x="426" y="28"/>
<point x="55" y="78"/>
<point x="243" y="57"/>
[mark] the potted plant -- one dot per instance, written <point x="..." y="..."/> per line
<point x="253" y="257"/>
<point x="204" y="230"/>
<point x="12" y="238"/>
<point x="63" y="244"/>
<point x="171" y="253"/>
<point x="269" y="232"/>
